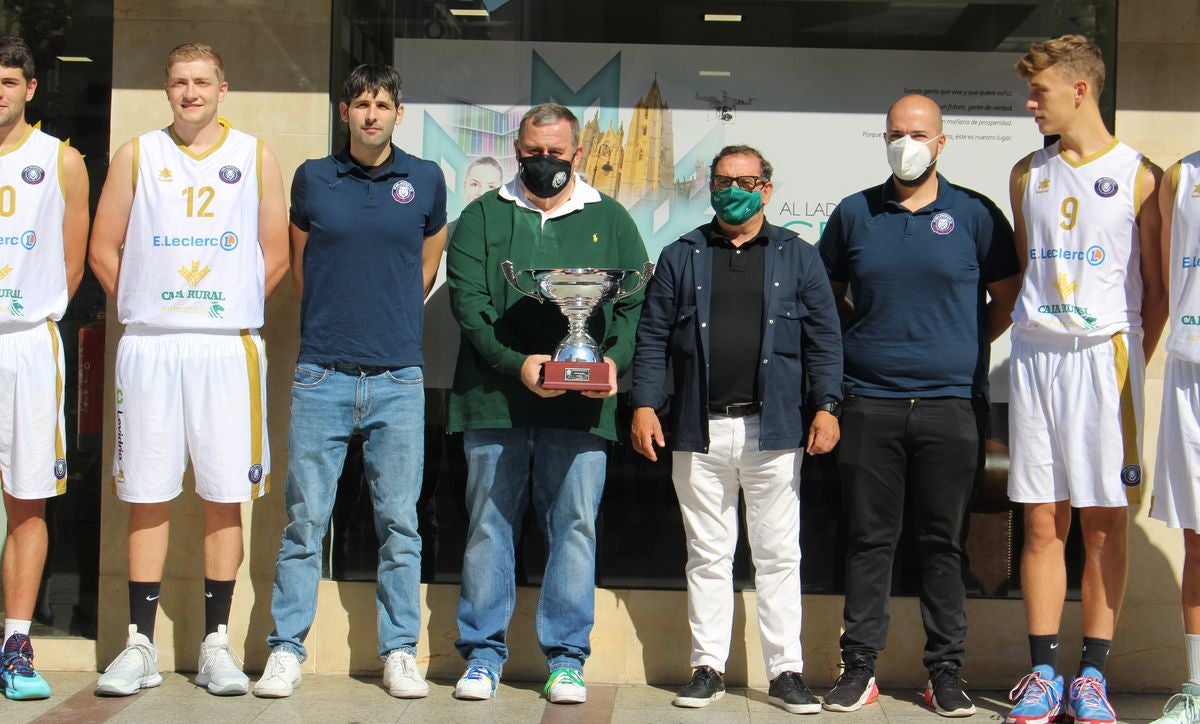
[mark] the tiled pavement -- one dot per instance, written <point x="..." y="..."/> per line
<point x="362" y="699"/>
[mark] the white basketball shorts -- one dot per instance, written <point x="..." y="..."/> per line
<point x="1176" y="500"/>
<point x="1075" y="418"/>
<point x="33" y="461"/>
<point x="197" y="394"/>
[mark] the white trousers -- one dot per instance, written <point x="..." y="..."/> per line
<point x="707" y="485"/>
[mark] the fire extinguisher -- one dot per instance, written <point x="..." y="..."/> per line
<point x="90" y="431"/>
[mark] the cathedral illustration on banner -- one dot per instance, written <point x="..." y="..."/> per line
<point x="638" y="165"/>
<point x="631" y="166"/>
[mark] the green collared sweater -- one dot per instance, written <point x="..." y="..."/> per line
<point x="500" y="326"/>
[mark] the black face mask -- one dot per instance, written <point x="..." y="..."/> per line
<point x="544" y="176"/>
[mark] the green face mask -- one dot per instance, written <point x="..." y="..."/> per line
<point x="735" y="205"/>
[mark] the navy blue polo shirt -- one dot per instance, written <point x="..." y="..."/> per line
<point x="364" y="295"/>
<point x="918" y="283"/>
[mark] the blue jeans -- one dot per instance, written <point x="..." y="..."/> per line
<point x="328" y="407"/>
<point x="567" y="470"/>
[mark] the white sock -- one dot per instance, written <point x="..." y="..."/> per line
<point x="1192" y="644"/>
<point x="17" y="626"/>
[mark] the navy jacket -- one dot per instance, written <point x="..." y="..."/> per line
<point x="800" y="334"/>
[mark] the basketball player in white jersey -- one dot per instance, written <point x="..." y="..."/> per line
<point x="43" y="241"/>
<point x="1176" y="499"/>
<point x="1090" y="312"/>
<point x="190" y="237"/>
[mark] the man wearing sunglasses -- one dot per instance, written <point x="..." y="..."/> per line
<point x="910" y="261"/>
<point x="742" y="309"/>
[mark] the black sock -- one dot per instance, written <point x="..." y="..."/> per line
<point x="1043" y="650"/>
<point x="1095" y="653"/>
<point x="143" y="606"/>
<point x="218" y="597"/>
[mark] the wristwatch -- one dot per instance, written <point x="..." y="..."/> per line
<point x="833" y="408"/>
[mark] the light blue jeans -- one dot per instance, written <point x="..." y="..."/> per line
<point x="329" y="406"/>
<point x="566" y="468"/>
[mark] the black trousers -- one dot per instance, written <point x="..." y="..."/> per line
<point x="924" y="455"/>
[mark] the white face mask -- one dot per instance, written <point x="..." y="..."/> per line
<point x="909" y="158"/>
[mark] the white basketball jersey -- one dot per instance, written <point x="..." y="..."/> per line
<point x="1084" y="275"/>
<point x="192" y="258"/>
<point x="33" y="272"/>
<point x="1184" y="337"/>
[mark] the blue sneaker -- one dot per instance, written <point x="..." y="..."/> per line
<point x="17" y="676"/>
<point x="1038" y="697"/>
<point x="1087" y="701"/>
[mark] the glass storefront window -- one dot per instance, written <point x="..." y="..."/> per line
<point x="467" y="73"/>
<point x="72" y="46"/>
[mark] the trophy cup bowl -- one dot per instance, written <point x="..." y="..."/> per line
<point x="577" y="362"/>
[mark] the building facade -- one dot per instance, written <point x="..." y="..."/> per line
<point x="283" y="57"/>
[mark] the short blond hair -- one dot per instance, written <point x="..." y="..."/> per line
<point x="1076" y="57"/>
<point x="188" y="52"/>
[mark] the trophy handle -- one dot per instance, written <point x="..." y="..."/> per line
<point x="512" y="276"/>
<point x="643" y="279"/>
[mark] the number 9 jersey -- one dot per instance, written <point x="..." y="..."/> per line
<point x="192" y="259"/>
<point x="1083" y="274"/>
<point x="33" y="273"/>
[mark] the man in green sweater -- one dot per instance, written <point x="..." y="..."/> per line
<point x="522" y="440"/>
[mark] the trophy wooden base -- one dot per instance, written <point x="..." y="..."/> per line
<point x="575" y="376"/>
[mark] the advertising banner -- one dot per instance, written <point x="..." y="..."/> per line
<point x="654" y="116"/>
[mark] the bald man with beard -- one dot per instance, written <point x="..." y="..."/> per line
<point x="912" y="263"/>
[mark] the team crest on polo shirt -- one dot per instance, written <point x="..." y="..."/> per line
<point x="1106" y="187"/>
<point x="403" y="191"/>
<point x="230" y="174"/>
<point x="256" y="474"/>
<point x="33" y="175"/>
<point x="942" y="223"/>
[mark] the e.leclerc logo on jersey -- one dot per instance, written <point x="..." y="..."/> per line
<point x="403" y="191"/>
<point x="228" y="241"/>
<point x="33" y="175"/>
<point x="1106" y="187"/>
<point x="230" y="174"/>
<point x="1094" y="255"/>
<point x="27" y="239"/>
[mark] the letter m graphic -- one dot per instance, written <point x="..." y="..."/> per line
<point x="602" y="91"/>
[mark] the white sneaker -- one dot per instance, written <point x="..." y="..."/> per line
<point x="280" y="676"/>
<point x="401" y="678"/>
<point x="565" y="686"/>
<point x="134" y="668"/>
<point x="477" y="684"/>
<point x="220" y="670"/>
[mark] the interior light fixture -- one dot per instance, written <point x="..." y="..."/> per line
<point x="715" y="74"/>
<point x="721" y="18"/>
<point x="469" y="12"/>
<point x="74" y="58"/>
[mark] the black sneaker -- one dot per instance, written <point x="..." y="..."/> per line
<point x="944" y="692"/>
<point x="788" y="691"/>
<point x="855" y="688"/>
<point x="705" y="687"/>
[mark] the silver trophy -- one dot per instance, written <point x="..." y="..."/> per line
<point x="577" y="363"/>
